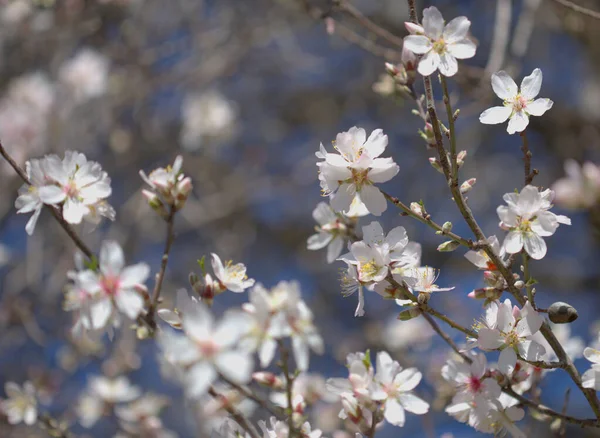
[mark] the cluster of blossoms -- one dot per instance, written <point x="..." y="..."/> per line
<point x="370" y="395"/>
<point x="85" y="76"/>
<point x="76" y="185"/>
<point x="170" y="188"/>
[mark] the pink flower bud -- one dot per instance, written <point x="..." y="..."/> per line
<point x="467" y="185"/>
<point x="268" y="379"/>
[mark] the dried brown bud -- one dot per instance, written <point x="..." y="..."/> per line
<point x="562" y="313"/>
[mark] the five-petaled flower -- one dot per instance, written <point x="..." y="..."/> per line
<point x="519" y="104"/>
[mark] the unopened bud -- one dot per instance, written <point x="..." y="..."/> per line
<point x="455" y="115"/>
<point x="436" y="164"/>
<point x="448" y="246"/>
<point x="423" y="297"/>
<point x="142" y="332"/>
<point x="391" y="69"/>
<point x="410" y="313"/>
<point x="447" y="227"/>
<point x="195" y="283"/>
<point x="460" y="158"/>
<point x="414" y="29"/>
<point x="183" y="189"/>
<point x="467" y="185"/>
<point x="416" y="208"/>
<point x="268" y="379"/>
<point x="562" y="313"/>
<point x="519" y="284"/>
<point x="155" y="202"/>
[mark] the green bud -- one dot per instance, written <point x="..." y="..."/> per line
<point x="410" y="313"/>
<point x="447" y="227"/>
<point x="448" y="246"/>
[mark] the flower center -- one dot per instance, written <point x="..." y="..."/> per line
<point x="71" y="189"/>
<point x="474" y="384"/>
<point x="110" y="285"/>
<point x="368" y="270"/>
<point x="439" y="46"/>
<point x="511" y="339"/>
<point x="520" y="103"/>
<point x="360" y="177"/>
<point x="524" y="225"/>
<point x="208" y="348"/>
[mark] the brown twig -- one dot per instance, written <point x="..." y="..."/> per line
<point x="266" y="404"/>
<point x="235" y="414"/>
<point x="579" y="9"/>
<point x="53" y="210"/>
<point x="529" y="174"/>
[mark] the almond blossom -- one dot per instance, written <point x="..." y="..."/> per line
<point x="591" y="378"/>
<point x="511" y="331"/>
<point x="208" y="349"/>
<point x="528" y="220"/>
<point x="330" y="232"/>
<point x="170" y="187"/>
<point x="519" y="103"/>
<point x="21" y="404"/>
<point x="231" y="277"/>
<point x="440" y="44"/>
<point x="29" y="197"/>
<point x="425" y="280"/>
<point x="351" y="174"/>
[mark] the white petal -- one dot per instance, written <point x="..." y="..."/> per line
<point x="394" y="413"/>
<point x="592" y="354"/>
<point x="530" y="87"/>
<point x="504" y="86"/>
<point x="535" y="246"/>
<point x="134" y="275"/>
<point x="531" y="350"/>
<point x="591" y="379"/>
<point x="335" y="249"/>
<point x="513" y="243"/>
<point x="323" y="214"/>
<point x="267" y="352"/>
<point x="51" y="195"/>
<point x="433" y="22"/>
<point x="495" y="115"/>
<point x="112" y="259"/>
<point x="373" y="199"/>
<point x="539" y="106"/>
<point x="408" y="379"/>
<point x="530" y="322"/>
<point x="463" y="49"/>
<point x="383" y="170"/>
<point x="199" y="378"/>
<point x="507" y="361"/>
<point x="130" y="303"/>
<point x="30" y="226"/>
<point x="373" y="234"/>
<point x="235" y="365"/>
<point x="456" y="29"/>
<point x="448" y="65"/>
<point x="413" y="404"/>
<point x="319" y="241"/>
<point x="429" y="63"/>
<point x="376" y="143"/>
<point x="301" y="353"/>
<point x="100" y="312"/>
<point x="518" y="122"/>
<point x="232" y="326"/>
<point x="418" y="44"/>
<point x="342" y="198"/>
<point x="489" y="339"/>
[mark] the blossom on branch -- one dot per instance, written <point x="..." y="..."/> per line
<point x="519" y="103"/>
<point x="21" y="404"/>
<point x="440" y="44"/>
<point x="330" y="232"/>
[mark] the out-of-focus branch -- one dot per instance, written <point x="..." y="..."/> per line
<point x="55" y="212"/>
<point x="235" y="414"/>
<point x="501" y="38"/>
<point x="579" y="9"/>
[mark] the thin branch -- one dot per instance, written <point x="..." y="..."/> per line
<point x="266" y="404"/>
<point x="165" y="258"/>
<point x="579" y="9"/>
<point x="289" y="384"/>
<point x="235" y="414"/>
<point x="529" y="174"/>
<point x="368" y="24"/>
<point x="445" y="336"/>
<point x="54" y="211"/>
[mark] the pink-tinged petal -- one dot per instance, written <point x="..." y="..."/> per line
<point x="235" y="365"/>
<point x="513" y="243"/>
<point x="429" y="63"/>
<point x="414" y="404"/>
<point x="448" y="65"/>
<point x="130" y="303"/>
<point x="535" y="246"/>
<point x="495" y="115"/>
<point x="530" y="87"/>
<point x="51" y="195"/>
<point x="394" y="413"/>
<point x="518" y="122"/>
<point x="433" y="22"/>
<point x="418" y="44"/>
<point x="504" y="86"/>
<point x="383" y="170"/>
<point x="133" y="275"/>
<point x="464" y="49"/>
<point x="373" y="199"/>
<point x="199" y="378"/>
<point x="342" y="198"/>
<point x="538" y="107"/>
<point x="489" y="339"/>
<point x="456" y="29"/>
<point x="531" y="350"/>
<point x="592" y="354"/>
<point x="376" y="143"/>
<point x="408" y="379"/>
<point x="507" y="361"/>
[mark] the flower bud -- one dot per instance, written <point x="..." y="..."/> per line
<point x="448" y="246"/>
<point x="460" y="158"/>
<point x="447" y="227"/>
<point x="562" y="313"/>
<point x="155" y="202"/>
<point x="436" y="164"/>
<point x="423" y="297"/>
<point x="467" y="185"/>
<point x="519" y="284"/>
<point x="391" y="69"/>
<point x="268" y="379"/>
<point x="416" y="208"/>
<point x="410" y="313"/>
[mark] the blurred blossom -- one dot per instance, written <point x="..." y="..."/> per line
<point x="580" y="188"/>
<point x="399" y="335"/>
<point x="206" y="116"/>
<point x="85" y="75"/>
<point x="20" y="406"/>
<point x="13" y="12"/>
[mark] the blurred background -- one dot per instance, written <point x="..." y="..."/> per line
<point x="245" y="91"/>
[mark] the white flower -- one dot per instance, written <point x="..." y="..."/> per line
<point x="85" y="75"/>
<point x="21" y="404"/>
<point x="426" y="278"/>
<point x="280" y="429"/>
<point x="441" y="44"/>
<point x="140" y="417"/>
<point x="208" y="349"/>
<point x="591" y="378"/>
<point x="29" y="197"/>
<point x="330" y="232"/>
<point x="480" y="258"/>
<point x="113" y="287"/>
<point x="304" y="334"/>
<point x="232" y="277"/>
<point x="117" y="390"/>
<point x="351" y="174"/>
<point x="170" y="184"/>
<point x="528" y="220"/>
<point x="350" y="284"/>
<point x="511" y="330"/>
<point x="519" y="104"/>
<point x="580" y="188"/>
<point x="76" y="183"/>
<point x="183" y="302"/>
<point x="260" y="336"/>
<point x="393" y="387"/>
